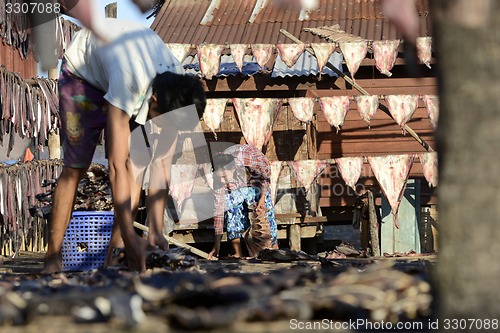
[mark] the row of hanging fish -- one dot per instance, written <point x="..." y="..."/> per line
<point x="391" y="171"/>
<point x="401" y="107"/>
<point x="28" y="108"/>
<point x="385" y="54"/>
<point x="21" y="188"/>
<point x="15" y="30"/>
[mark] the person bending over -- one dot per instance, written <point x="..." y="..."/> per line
<point x="243" y="173"/>
<point x="109" y="85"/>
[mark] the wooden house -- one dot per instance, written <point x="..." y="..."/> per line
<point x="227" y="22"/>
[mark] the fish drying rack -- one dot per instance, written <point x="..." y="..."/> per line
<point x="86" y="240"/>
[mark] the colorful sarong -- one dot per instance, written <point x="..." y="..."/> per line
<point x="236" y="214"/>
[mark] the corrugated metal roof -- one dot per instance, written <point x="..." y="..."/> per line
<point x="179" y="21"/>
<point x="306" y="65"/>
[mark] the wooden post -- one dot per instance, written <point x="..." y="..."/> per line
<point x="54" y="137"/>
<point x="434" y="226"/>
<point x="111" y="10"/>
<point x="294" y="237"/>
<point x="374" y="239"/>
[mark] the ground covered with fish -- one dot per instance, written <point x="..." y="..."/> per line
<point x="182" y="293"/>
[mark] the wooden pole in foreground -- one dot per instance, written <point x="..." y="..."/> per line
<point x="361" y="90"/>
<point x="54" y="137"/>
<point x="174" y="241"/>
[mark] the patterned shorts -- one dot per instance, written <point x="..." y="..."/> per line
<point x="83" y="117"/>
<point x="236" y="215"/>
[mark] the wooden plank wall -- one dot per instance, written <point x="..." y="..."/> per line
<point x="11" y="59"/>
<point x="383" y="137"/>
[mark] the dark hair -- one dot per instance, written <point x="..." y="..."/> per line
<point x="223" y="162"/>
<point x="175" y="91"/>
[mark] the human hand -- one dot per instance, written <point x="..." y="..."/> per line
<point x="157" y="240"/>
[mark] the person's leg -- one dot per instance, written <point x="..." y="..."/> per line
<point x="235" y="219"/>
<point x="116" y="236"/>
<point x="236" y="244"/>
<point x="64" y="197"/>
<point x="156" y="201"/>
<point x="83" y="116"/>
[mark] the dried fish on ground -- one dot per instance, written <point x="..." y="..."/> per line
<point x="171" y="259"/>
<point x="284" y="255"/>
<point x="219" y="298"/>
<point x="94" y="190"/>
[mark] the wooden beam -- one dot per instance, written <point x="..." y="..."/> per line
<point x="174" y="241"/>
<point x="294" y="237"/>
<point x="306" y="86"/>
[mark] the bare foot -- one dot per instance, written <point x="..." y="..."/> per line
<point x="158" y="241"/>
<point x="135" y="253"/>
<point x="53" y="263"/>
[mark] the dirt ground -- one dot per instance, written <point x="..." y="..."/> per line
<point x="31" y="264"/>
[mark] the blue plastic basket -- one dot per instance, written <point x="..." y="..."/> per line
<point x="86" y="241"/>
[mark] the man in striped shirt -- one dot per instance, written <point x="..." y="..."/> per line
<point x="242" y="174"/>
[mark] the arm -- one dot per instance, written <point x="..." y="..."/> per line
<point x="84" y="11"/>
<point x="118" y="137"/>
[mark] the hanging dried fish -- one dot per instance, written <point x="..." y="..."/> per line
<point x="179" y="51"/>
<point x="290" y="53"/>
<point x="209" y="59"/>
<point x="238" y="52"/>
<point x="262" y="53"/>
